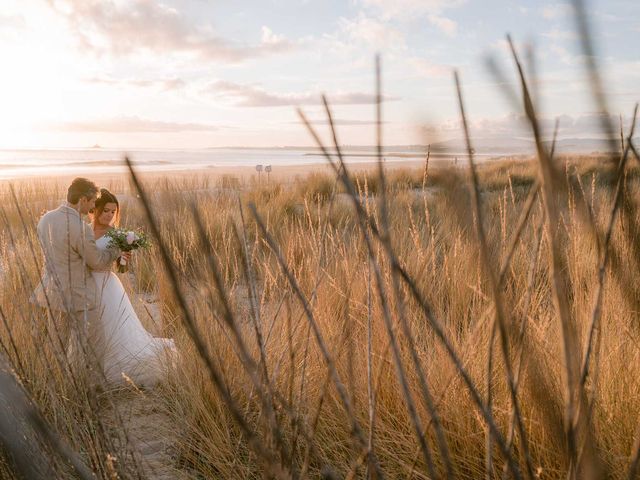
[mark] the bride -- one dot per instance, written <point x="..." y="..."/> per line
<point x="130" y="350"/>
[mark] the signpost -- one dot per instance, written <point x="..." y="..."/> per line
<point x="268" y="170"/>
<point x="258" y="169"/>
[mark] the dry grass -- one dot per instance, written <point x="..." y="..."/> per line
<point x="405" y="324"/>
<point x="324" y="251"/>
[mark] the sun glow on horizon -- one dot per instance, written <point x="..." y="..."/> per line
<point x="185" y="74"/>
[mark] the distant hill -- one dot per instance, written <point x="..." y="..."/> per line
<point x="584" y="145"/>
<point x="485" y="145"/>
<point x="523" y="146"/>
<point x="457" y="146"/>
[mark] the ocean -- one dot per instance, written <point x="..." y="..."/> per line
<point x="91" y="161"/>
<point x="27" y="163"/>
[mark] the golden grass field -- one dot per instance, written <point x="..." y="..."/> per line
<point x="324" y="392"/>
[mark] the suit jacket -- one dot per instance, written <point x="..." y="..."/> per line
<point x="70" y="253"/>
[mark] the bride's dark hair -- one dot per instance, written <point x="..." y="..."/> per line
<point x="106" y="197"/>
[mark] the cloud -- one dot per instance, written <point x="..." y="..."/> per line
<point x="372" y="32"/>
<point x="562" y="54"/>
<point x="167" y="84"/>
<point x="409" y="9"/>
<point x="586" y="125"/>
<point x="502" y="46"/>
<point x="243" y="95"/>
<point x="339" y="122"/>
<point x="590" y="124"/>
<point x="445" y="24"/>
<point x="130" y="125"/>
<point x="556" y="34"/>
<point x="270" y="38"/>
<point x="12" y="22"/>
<point x="558" y="10"/>
<point x="106" y="26"/>
<point x="428" y="68"/>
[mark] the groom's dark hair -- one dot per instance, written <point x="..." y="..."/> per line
<point x="81" y="187"/>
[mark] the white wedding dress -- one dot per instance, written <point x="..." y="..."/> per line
<point x="130" y="350"/>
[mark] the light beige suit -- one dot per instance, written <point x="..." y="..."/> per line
<point x="68" y="290"/>
<point x="70" y="253"/>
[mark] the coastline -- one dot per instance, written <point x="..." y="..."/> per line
<point x="243" y="173"/>
<point x="247" y="173"/>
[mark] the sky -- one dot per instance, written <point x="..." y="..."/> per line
<point x="212" y="73"/>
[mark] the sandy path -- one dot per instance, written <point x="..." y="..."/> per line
<point x="149" y="432"/>
<point x="140" y="419"/>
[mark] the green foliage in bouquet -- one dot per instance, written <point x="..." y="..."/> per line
<point x="127" y="240"/>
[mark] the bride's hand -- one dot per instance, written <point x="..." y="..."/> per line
<point x="126" y="256"/>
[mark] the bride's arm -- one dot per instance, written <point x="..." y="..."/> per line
<point x="95" y="258"/>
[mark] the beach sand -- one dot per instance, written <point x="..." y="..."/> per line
<point x="243" y="173"/>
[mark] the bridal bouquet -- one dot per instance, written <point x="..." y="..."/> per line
<point x="127" y="240"/>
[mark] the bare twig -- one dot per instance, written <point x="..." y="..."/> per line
<point x="604" y="260"/>
<point x="500" y="315"/>
<point x="356" y="430"/>
<point x="192" y="330"/>
<point x="383" y="296"/>
<point x="19" y="421"/>
<point x="572" y="390"/>
<point x="424" y="305"/>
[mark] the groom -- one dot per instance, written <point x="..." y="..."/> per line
<point x="68" y="290"/>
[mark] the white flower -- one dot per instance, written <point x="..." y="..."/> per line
<point x="131" y="237"/>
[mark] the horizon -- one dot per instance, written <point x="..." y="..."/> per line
<point x="438" y="144"/>
<point x="181" y="74"/>
<point x="441" y="147"/>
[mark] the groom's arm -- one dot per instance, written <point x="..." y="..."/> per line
<point x="95" y="258"/>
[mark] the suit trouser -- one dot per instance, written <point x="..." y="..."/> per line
<point x="82" y="336"/>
